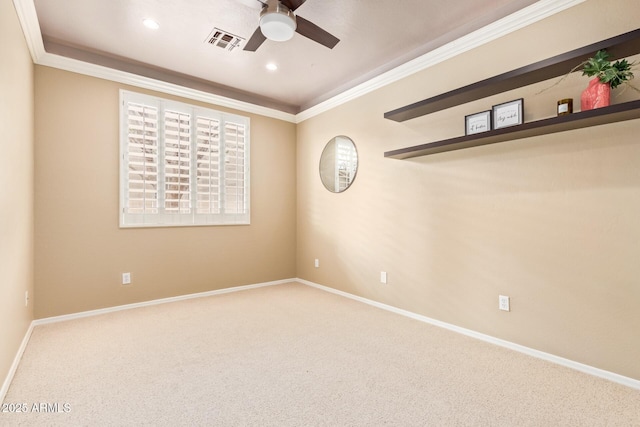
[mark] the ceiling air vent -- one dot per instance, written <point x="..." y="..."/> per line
<point x="224" y="39"/>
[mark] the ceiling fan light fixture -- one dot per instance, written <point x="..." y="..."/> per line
<point x="277" y="22"/>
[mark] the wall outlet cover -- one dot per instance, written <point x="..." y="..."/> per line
<point x="503" y="303"/>
<point x="383" y="277"/>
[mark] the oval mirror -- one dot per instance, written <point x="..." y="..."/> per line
<point x="338" y="164"/>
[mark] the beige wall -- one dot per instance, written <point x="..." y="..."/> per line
<point x="16" y="186"/>
<point x="551" y="221"/>
<point x="80" y="251"/>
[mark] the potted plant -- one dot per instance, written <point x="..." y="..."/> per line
<point x="606" y="76"/>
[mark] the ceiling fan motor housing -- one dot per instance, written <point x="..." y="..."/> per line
<point x="277" y="21"/>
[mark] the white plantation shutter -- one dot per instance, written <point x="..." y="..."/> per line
<point x="182" y="165"/>
<point x="177" y="162"/>
<point x="142" y="159"/>
<point x="234" y="171"/>
<point x="208" y="166"/>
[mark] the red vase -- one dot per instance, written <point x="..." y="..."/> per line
<point x="596" y="95"/>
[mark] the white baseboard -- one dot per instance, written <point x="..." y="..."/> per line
<point x="54" y="319"/>
<point x="620" y="379"/>
<point x="90" y="313"/>
<point x="16" y="362"/>
<point x="626" y="381"/>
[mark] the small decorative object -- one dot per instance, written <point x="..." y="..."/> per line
<point x="565" y="106"/>
<point x="478" y="122"/>
<point x="508" y="114"/>
<point x="606" y="75"/>
<point x="596" y="95"/>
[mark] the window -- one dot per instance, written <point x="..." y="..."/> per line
<point x="181" y="164"/>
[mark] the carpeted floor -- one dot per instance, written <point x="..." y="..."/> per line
<point x="292" y="355"/>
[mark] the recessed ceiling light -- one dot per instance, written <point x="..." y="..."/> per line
<point x="271" y="66"/>
<point x="150" y="23"/>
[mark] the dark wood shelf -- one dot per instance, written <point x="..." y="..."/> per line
<point x="583" y="119"/>
<point x="622" y="46"/>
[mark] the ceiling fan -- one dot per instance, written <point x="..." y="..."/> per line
<point x="278" y="23"/>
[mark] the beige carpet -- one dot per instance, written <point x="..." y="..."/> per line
<point x="291" y="355"/>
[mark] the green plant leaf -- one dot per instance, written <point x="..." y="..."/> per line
<point x="597" y="64"/>
<point x="612" y="74"/>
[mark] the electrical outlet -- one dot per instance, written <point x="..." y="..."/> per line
<point x="317" y="263"/>
<point x="503" y="303"/>
<point x="26" y="298"/>
<point x="126" y="278"/>
<point x="383" y="277"/>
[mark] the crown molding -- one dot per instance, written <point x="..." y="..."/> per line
<point x="542" y="9"/>
<point x="99" y="71"/>
<point x="507" y="25"/>
<point x="26" y="12"/>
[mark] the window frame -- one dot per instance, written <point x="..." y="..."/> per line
<point x="193" y="217"/>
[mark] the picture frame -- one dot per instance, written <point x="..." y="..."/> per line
<point x="508" y="114"/>
<point x="477" y="122"/>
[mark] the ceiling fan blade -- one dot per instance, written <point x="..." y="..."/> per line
<point x="255" y="41"/>
<point x="292" y="4"/>
<point x="315" y="33"/>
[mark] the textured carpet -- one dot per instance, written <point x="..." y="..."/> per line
<point x="291" y="355"/>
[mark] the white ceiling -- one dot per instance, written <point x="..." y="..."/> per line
<point x="375" y="36"/>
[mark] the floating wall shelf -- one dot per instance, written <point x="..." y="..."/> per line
<point x="583" y="119"/>
<point x="622" y="46"/>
